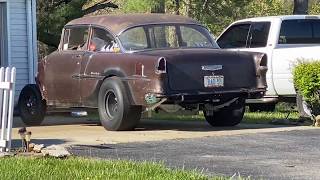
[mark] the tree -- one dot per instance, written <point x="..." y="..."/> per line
<point x="159" y="6"/>
<point x="300" y="7"/>
<point x="54" y="14"/>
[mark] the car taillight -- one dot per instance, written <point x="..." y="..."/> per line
<point x="161" y="67"/>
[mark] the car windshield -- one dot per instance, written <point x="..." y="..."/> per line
<point x="166" y="37"/>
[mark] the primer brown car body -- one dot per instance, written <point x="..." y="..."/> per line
<point x="73" y="78"/>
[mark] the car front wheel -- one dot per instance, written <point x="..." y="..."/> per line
<point x="31" y="106"/>
<point x="227" y="116"/>
<point x="115" y="110"/>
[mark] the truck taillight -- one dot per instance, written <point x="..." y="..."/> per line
<point x="161" y="67"/>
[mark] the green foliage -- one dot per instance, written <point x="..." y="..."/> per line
<point x="307" y="81"/>
<point x="314" y="8"/>
<point x="137" y="6"/>
<point x="218" y="14"/>
<point x="215" y="14"/>
<point x="79" y="168"/>
<point x="53" y="15"/>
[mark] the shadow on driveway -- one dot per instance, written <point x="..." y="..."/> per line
<point x="147" y="124"/>
<point x="16" y="143"/>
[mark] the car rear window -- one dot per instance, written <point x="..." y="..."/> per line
<point x="166" y="36"/>
<point x="301" y="31"/>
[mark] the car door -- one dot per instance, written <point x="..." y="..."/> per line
<point x="102" y="43"/>
<point x="298" y="40"/>
<point x="63" y="68"/>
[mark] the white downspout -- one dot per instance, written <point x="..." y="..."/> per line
<point x="34" y="38"/>
<point x="30" y="41"/>
<point x="9" y="61"/>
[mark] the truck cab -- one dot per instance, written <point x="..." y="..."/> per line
<point x="285" y="40"/>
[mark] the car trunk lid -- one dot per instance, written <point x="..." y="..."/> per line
<point x="207" y="69"/>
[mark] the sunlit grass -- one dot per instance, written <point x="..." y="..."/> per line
<point x="283" y="111"/>
<point x="80" y="168"/>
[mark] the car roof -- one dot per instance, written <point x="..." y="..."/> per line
<point x="285" y="17"/>
<point x="118" y="23"/>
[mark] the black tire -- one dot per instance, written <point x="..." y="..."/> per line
<point x="115" y="110"/>
<point x="228" y="116"/>
<point x="31" y="106"/>
<point x="302" y="106"/>
<point x="268" y="107"/>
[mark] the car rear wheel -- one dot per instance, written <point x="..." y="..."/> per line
<point x="31" y="106"/>
<point x="116" y="112"/>
<point x="227" y="116"/>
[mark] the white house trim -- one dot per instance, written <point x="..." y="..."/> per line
<point x="8" y="33"/>
<point x="34" y="37"/>
<point x="30" y="40"/>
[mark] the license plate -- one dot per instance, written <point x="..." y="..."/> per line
<point x="213" y="81"/>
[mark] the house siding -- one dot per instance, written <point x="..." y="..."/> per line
<point x="19" y="38"/>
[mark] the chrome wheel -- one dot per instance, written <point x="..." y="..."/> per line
<point x="31" y="104"/>
<point x="111" y="104"/>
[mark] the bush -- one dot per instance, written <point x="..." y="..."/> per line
<point x="307" y="82"/>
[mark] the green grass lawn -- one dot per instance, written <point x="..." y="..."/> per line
<point x="282" y="111"/>
<point x="249" y="117"/>
<point x="80" y="168"/>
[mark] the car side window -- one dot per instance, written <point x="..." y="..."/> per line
<point x="134" y="39"/>
<point x="75" y="38"/>
<point x="300" y="31"/>
<point x="259" y="33"/>
<point x="235" y="37"/>
<point x="102" y="41"/>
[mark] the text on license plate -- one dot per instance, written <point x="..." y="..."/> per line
<point x="213" y="81"/>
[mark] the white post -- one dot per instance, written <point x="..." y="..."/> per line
<point x="11" y="105"/>
<point x="7" y="89"/>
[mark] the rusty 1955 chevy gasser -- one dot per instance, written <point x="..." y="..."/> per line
<point x="126" y="64"/>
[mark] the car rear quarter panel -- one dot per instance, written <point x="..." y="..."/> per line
<point x="128" y="67"/>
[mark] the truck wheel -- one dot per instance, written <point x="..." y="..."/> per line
<point x="228" y="116"/>
<point x="269" y="107"/>
<point x="31" y="106"/>
<point x="302" y="106"/>
<point x="116" y="112"/>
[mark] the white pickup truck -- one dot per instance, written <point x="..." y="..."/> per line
<point x="285" y="40"/>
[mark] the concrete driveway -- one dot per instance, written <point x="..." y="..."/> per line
<point x="258" y="151"/>
<point x="72" y="131"/>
